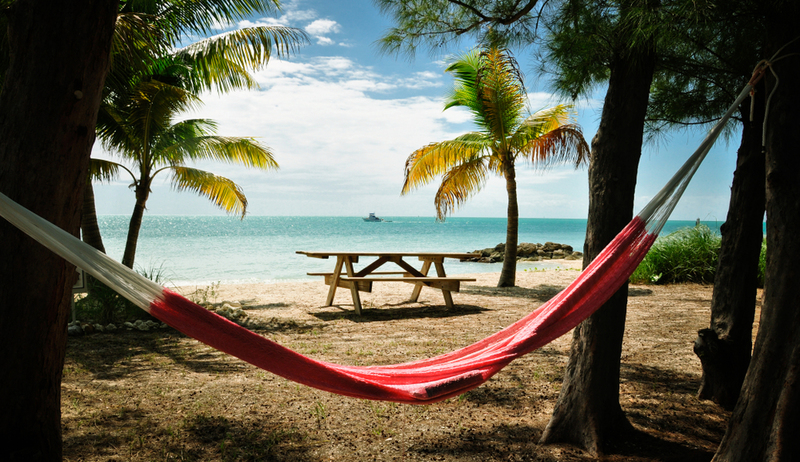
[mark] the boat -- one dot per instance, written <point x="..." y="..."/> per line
<point x="372" y="217"/>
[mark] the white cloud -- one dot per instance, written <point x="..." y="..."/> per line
<point x="323" y="27"/>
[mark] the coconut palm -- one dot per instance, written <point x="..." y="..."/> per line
<point x="141" y="128"/>
<point x="489" y="85"/>
<point x="145" y="40"/>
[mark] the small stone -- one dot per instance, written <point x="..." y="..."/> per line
<point x="74" y="330"/>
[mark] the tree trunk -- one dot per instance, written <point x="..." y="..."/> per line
<point x="724" y="348"/>
<point x="135" y="225"/>
<point x="766" y="420"/>
<point x="90" y="230"/>
<point x="48" y="108"/>
<point x="508" y="274"/>
<point x="587" y="413"/>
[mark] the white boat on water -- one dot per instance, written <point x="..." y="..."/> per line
<point x="371" y="217"/>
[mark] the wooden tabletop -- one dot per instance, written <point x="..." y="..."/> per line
<point x="339" y="253"/>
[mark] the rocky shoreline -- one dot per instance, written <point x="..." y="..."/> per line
<point x="528" y="252"/>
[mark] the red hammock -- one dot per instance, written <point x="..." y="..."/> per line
<point x="424" y="381"/>
<point x="433" y="379"/>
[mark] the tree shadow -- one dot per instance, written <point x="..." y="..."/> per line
<point x="114" y="356"/>
<point x="540" y="293"/>
<point x="501" y="442"/>
<point x="665" y="403"/>
<point x="194" y="437"/>
<point x="641" y="445"/>
<point x="390" y="312"/>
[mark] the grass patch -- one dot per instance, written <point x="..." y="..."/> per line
<point x="686" y="255"/>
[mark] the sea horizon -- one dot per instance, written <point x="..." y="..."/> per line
<point x="209" y="249"/>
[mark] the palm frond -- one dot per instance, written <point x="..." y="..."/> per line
<point x="564" y="144"/>
<point x="234" y="150"/>
<point x="459" y="184"/>
<point x="426" y="163"/>
<point x="223" y="192"/>
<point x="102" y="170"/>
<point x="223" y="61"/>
<point x="201" y="17"/>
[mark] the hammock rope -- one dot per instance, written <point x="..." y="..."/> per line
<point x="417" y="382"/>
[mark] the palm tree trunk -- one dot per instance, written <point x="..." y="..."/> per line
<point x="90" y="230"/>
<point x="508" y="274"/>
<point x="142" y="192"/>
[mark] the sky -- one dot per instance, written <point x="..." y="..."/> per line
<point x="341" y="119"/>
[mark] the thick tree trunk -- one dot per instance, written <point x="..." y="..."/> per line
<point x="508" y="275"/>
<point x="587" y="413"/>
<point x="135" y="225"/>
<point x="724" y="348"/>
<point x="90" y="230"/>
<point x="766" y="420"/>
<point x="48" y="108"/>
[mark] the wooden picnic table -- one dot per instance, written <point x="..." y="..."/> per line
<point x="344" y="275"/>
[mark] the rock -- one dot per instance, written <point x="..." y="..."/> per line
<point x="111" y="327"/>
<point x="99" y="328"/>
<point x="527" y="251"/>
<point x="74" y="330"/>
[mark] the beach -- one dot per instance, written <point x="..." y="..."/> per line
<point x="160" y="395"/>
<point x="303" y="301"/>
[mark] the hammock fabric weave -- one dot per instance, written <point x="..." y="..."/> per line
<point x="417" y="382"/>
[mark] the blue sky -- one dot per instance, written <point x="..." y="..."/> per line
<point x="341" y="119"/>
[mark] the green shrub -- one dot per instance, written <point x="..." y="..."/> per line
<point x="103" y="305"/>
<point x="686" y="255"/>
<point x="762" y="263"/>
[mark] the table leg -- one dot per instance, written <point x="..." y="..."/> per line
<point x="348" y="264"/>
<point x="337" y="271"/>
<point x="418" y="287"/>
<point x="448" y="298"/>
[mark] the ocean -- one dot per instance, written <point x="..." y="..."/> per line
<point x="200" y="250"/>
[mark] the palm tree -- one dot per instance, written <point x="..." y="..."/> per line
<point x="490" y="86"/>
<point x="141" y="128"/>
<point x="145" y="38"/>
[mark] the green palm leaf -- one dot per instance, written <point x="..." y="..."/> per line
<point x="233" y="150"/>
<point x="223" y="60"/>
<point x="223" y="192"/>
<point x="105" y="170"/>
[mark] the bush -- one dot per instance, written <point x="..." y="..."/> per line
<point x="686" y="255"/>
<point x="103" y="305"/>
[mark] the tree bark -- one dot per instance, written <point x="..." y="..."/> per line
<point x="48" y="108"/>
<point x="90" y="230"/>
<point x="508" y="274"/>
<point x="135" y="225"/>
<point x="587" y="413"/>
<point x="724" y="348"/>
<point x="765" y="423"/>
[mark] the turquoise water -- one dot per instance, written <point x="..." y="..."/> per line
<point x="208" y="249"/>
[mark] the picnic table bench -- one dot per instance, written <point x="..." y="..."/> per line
<point x="345" y="276"/>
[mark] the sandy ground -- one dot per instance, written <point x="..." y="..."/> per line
<point x="303" y="301"/>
